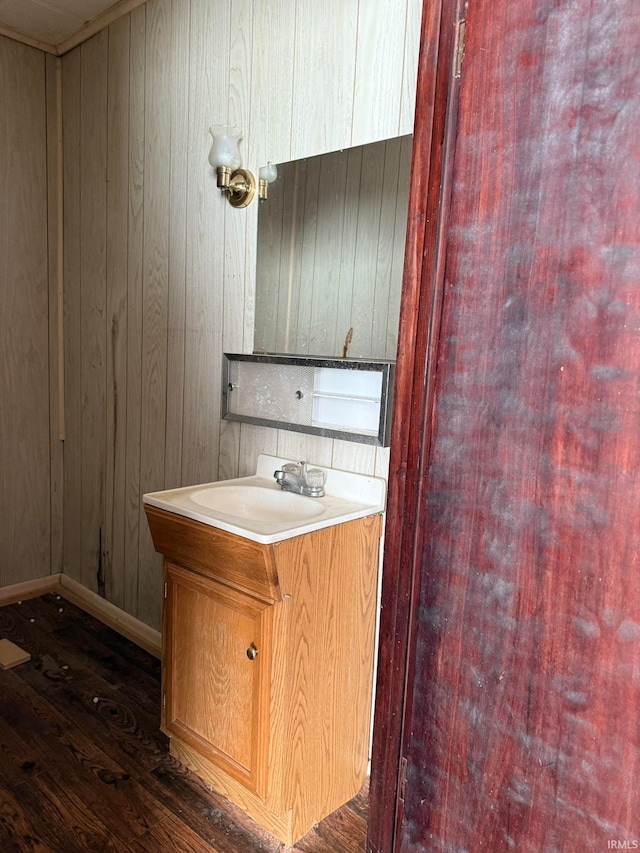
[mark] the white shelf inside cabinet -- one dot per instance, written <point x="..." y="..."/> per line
<point x="375" y="400"/>
<point x="345" y="411"/>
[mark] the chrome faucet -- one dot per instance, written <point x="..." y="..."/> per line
<point x="296" y="477"/>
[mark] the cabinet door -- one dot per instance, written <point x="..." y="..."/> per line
<point x="217" y="676"/>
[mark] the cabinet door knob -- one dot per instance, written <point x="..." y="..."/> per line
<point x="252" y="652"/>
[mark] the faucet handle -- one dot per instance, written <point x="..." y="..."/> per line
<point x="315" y="478"/>
<point x="292" y="468"/>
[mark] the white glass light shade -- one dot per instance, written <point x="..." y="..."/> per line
<point x="224" y="150"/>
<point x="268" y="173"/>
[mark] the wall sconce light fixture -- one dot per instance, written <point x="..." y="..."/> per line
<point x="237" y="184"/>
<point x="267" y="175"/>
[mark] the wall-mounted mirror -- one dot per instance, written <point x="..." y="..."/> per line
<point x="330" y="255"/>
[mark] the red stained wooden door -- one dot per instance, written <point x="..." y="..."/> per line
<point x="521" y="481"/>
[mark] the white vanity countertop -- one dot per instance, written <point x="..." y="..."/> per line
<point x="257" y="508"/>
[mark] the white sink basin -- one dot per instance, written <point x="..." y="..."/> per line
<point x="258" y="502"/>
<point x="257" y="508"/>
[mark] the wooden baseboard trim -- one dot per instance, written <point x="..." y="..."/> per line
<point x="130" y="627"/>
<point x="29" y="589"/>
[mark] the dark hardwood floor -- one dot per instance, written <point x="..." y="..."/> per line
<point x="84" y="766"/>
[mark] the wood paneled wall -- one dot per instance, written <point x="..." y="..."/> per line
<point x="30" y="451"/>
<point x="331" y="251"/>
<point x="160" y="271"/>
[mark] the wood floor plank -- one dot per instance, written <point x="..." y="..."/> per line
<point x="17" y="833"/>
<point x="360" y="803"/>
<point x="78" y="774"/>
<point x="311" y="843"/>
<point x="19" y="762"/>
<point x="61" y="820"/>
<point x="11" y="626"/>
<point x="173" y="835"/>
<point x="340" y="831"/>
<point x="126" y="808"/>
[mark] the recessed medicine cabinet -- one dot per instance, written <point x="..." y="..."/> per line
<point x="348" y="399"/>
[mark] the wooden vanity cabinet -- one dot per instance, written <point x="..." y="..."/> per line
<point x="268" y="664"/>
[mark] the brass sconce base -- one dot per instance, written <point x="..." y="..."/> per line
<point x="241" y="189"/>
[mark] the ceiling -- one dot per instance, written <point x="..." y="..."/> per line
<point x="58" y="25"/>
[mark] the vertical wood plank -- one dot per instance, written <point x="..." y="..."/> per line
<point x="325" y="337"/>
<point x="272" y="70"/>
<point x="229" y="458"/>
<point x="410" y="66"/>
<point x="306" y="245"/>
<point x="178" y="58"/>
<point x="379" y="71"/>
<point x="242" y="103"/>
<point x="325" y="62"/>
<point x="25" y="496"/>
<point x="312" y="448"/>
<point x="116" y="315"/>
<point x="382" y="284"/>
<point x="137" y="54"/>
<point x="93" y="229"/>
<point x="239" y="268"/>
<point x="72" y="323"/>
<point x="269" y="257"/>
<point x="382" y="462"/>
<point x="294" y="187"/>
<point x="53" y="71"/>
<point x="351" y="456"/>
<point x="255" y="440"/>
<point x="366" y="252"/>
<point x="250" y="268"/>
<point x="208" y="98"/>
<point x="155" y="302"/>
<point x="238" y="222"/>
<point x="348" y="272"/>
